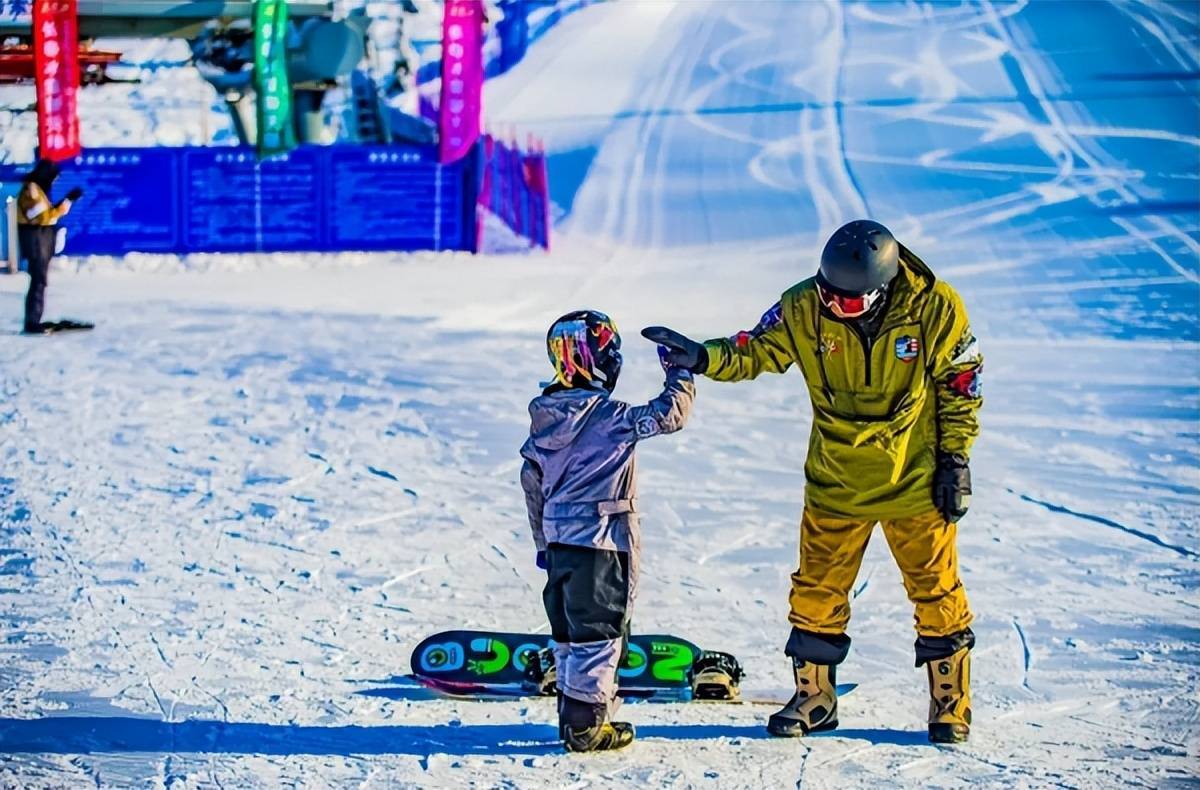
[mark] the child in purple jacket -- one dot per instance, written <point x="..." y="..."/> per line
<point x="580" y="487"/>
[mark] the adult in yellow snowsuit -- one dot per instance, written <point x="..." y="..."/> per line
<point x="892" y="369"/>
<point x="37" y="232"/>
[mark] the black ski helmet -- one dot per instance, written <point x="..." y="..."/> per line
<point x="584" y="347"/>
<point x="43" y="174"/>
<point x="861" y="256"/>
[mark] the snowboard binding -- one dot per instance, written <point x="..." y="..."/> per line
<point x="541" y="676"/>
<point x="716" y="676"/>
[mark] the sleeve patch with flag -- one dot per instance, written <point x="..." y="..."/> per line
<point x="770" y="319"/>
<point x="967" y="384"/>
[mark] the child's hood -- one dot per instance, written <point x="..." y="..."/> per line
<point x="560" y="417"/>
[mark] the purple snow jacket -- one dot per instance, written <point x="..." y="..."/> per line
<point x="580" y="470"/>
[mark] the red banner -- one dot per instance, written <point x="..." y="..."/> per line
<point x="56" y="45"/>
<point x="462" y="78"/>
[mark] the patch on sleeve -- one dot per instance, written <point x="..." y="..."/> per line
<point x="647" y="427"/>
<point x="967" y="383"/>
<point x="967" y="349"/>
<point x="770" y="319"/>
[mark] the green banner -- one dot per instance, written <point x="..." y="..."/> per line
<point x="276" y="134"/>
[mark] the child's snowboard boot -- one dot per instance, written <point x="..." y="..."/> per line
<point x="950" y="698"/>
<point x="813" y="708"/>
<point x="585" y="727"/>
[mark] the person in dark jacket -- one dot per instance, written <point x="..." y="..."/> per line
<point x="580" y="487"/>
<point x="37" y="234"/>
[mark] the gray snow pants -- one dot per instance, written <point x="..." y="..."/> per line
<point x="588" y="598"/>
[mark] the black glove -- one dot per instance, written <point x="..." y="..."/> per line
<point x="682" y="352"/>
<point x="952" y="486"/>
<point x="541" y="560"/>
<point x="74" y="194"/>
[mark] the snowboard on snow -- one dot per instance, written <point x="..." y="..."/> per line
<point x="489" y="664"/>
<point x="55" y="327"/>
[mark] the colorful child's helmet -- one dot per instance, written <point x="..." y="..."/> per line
<point x="585" y="349"/>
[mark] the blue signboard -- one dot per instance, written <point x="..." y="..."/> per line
<point x="319" y="198"/>
<point x="235" y="203"/>
<point x="116" y="214"/>
<point x="383" y="198"/>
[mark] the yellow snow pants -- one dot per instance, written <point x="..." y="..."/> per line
<point x="831" y="551"/>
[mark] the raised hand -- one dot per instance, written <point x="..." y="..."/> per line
<point x="681" y="351"/>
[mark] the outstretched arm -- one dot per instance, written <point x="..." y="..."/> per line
<point x="668" y="412"/>
<point x="768" y="348"/>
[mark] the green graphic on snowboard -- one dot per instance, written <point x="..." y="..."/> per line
<point x="498" y="651"/>
<point x="673" y="660"/>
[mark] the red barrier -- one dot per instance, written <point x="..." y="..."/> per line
<point x="514" y="187"/>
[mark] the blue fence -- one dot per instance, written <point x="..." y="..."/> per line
<point x="322" y="198"/>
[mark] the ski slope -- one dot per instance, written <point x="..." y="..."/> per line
<point x="229" y="513"/>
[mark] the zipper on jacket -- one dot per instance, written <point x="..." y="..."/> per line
<point x="867" y="343"/>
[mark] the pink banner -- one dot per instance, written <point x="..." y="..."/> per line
<point x="56" y="61"/>
<point x="462" y="78"/>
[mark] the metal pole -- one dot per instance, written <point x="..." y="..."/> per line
<point x="10" y="218"/>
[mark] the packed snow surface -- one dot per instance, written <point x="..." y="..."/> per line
<point x="229" y="513"/>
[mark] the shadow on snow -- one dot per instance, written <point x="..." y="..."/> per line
<point x="97" y="734"/>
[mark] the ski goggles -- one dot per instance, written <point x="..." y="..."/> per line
<point x="849" y="306"/>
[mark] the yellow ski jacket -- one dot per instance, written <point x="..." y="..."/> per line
<point x="882" y="407"/>
<point x="34" y="208"/>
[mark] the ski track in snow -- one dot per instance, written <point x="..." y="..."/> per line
<point x="229" y="513"/>
<point x="1157" y="541"/>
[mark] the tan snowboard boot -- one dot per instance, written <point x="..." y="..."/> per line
<point x="950" y="698"/>
<point x="584" y="727"/>
<point x="813" y="708"/>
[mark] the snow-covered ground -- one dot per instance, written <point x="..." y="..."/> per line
<point x="229" y="513"/>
